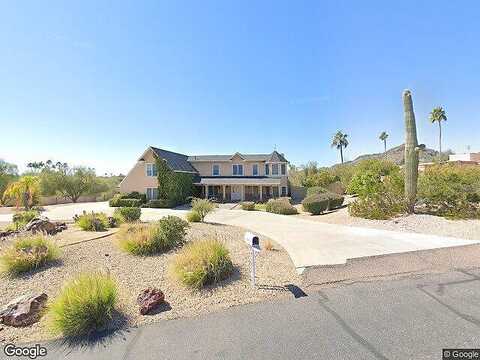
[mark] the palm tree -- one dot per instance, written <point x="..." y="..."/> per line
<point x="438" y="115"/>
<point x="340" y="141"/>
<point x="23" y="191"/>
<point x="383" y="136"/>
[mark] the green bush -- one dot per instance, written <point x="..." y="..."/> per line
<point x="135" y="195"/>
<point x="159" y="204"/>
<point x="149" y="239"/>
<point x="368" y="174"/>
<point x="28" y="253"/>
<point x="85" y="304"/>
<point x="450" y="190"/>
<point x="321" y="178"/>
<point x="280" y="206"/>
<point x="193" y="216"/>
<point x="320" y="202"/>
<point x="127" y="214"/>
<point x="22" y="218"/>
<point x="247" y="205"/>
<point x="337" y="188"/>
<point x="202" y="207"/>
<point x="118" y="201"/>
<point x="92" y="221"/>
<point x="201" y="263"/>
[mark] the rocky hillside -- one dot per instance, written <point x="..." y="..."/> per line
<point x="396" y="154"/>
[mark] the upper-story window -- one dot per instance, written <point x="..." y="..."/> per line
<point x="151" y="169"/>
<point x="267" y="169"/>
<point x="216" y="170"/>
<point x="284" y="169"/>
<point x="274" y="169"/>
<point x="255" y="169"/>
<point x="237" y="169"/>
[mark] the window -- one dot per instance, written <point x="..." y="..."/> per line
<point x="274" y="169"/>
<point x="237" y="169"/>
<point x="216" y="170"/>
<point x="151" y="170"/>
<point x="152" y="193"/>
<point x="255" y="169"/>
<point x="267" y="169"/>
<point x="284" y="191"/>
<point x="275" y="191"/>
<point x="284" y="169"/>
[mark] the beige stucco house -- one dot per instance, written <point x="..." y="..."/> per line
<point x="234" y="177"/>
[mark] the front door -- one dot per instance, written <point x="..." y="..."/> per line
<point x="236" y="193"/>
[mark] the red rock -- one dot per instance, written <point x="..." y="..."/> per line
<point x="149" y="299"/>
<point x="24" y="311"/>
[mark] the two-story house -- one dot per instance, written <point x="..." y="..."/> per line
<point x="233" y="177"/>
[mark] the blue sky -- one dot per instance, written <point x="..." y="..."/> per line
<point x="95" y="82"/>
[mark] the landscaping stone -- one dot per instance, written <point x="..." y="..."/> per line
<point x="149" y="299"/>
<point x="44" y="225"/>
<point x="24" y="310"/>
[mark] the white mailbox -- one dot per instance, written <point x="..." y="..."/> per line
<point x="253" y="241"/>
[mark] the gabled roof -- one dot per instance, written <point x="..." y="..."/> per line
<point x="175" y="161"/>
<point x="276" y="157"/>
<point x="273" y="157"/>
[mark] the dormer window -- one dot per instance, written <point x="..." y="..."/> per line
<point x="237" y="169"/>
<point x="216" y="170"/>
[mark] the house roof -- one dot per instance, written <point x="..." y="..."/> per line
<point x="273" y="157"/>
<point x="176" y="161"/>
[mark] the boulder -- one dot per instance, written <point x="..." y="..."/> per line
<point x="24" y="310"/>
<point x="149" y="299"/>
<point x="44" y="225"/>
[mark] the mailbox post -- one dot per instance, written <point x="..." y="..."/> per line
<point x="254" y="243"/>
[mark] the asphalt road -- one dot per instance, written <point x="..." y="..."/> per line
<point x="409" y="318"/>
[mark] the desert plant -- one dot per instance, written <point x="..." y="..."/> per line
<point x="127" y="214"/>
<point x="158" y="203"/>
<point x="202" y="262"/>
<point x="437" y="116"/>
<point x="340" y="142"/>
<point x="24" y="191"/>
<point x="92" y="221"/>
<point x="411" y="152"/>
<point x="149" y="239"/>
<point x="202" y="207"/>
<point x="22" y="218"/>
<point x="268" y="245"/>
<point x="280" y="206"/>
<point x="316" y="190"/>
<point x="247" y="205"/>
<point x="383" y="137"/>
<point x="28" y="253"/>
<point x="315" y="203"/>
<point x="85" y="304"/>
<point x="193" y="216"/>
<point x="119" y="201"/>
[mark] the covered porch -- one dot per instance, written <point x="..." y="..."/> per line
<point x="231" y="190"/>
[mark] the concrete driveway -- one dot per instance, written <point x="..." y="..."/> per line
<point x="308" y="243"/>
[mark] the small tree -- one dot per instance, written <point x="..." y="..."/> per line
<point x="24" y="191"/>
<point x="340" y="142"/>
<point x="383" y="136"/>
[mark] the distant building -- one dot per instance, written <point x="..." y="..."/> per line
<point x="458" y="159"/>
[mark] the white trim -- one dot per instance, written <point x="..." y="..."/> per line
<point x="243" y="170"/>
<point x="146" y="169"/>
<point x="213" y="166"/>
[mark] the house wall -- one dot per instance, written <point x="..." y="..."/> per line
<point x="137" y="179"/>
<point x="205" y="168"/>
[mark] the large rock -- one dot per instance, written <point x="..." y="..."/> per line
<point x="44" y="225"/>
<point x="149" y="299"/>
<point x="24" y="310"/>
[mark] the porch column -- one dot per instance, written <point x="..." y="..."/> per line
<point x="223" y="188"/>
<point x="206" y="191"/>
<point x="260" y="192"/>
<point x="243" y="192"/>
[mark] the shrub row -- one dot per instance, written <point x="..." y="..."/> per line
<point x="320" y="202"/>
<point x="118" y="201"/>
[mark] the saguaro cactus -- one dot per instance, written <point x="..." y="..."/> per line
<point x="411" y="152"/>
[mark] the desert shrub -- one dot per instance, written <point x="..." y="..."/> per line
<point x="316" y="190"/>
<point x="368" y="175"/>
<point x="28" y="253"/>
<point x="344" y="172"/>
<point x="337" y="188"/>
<point x="261" y="207"/>
<point x="118" y="201"/>
<point x="193" y="216"/>
<point x="268" y="245"/>
<point x="280" y="206"/>
<point x="202" y="207"/>
<point x="202" y="262"/>
<point x="315" y="204"/>
<point x="92" y="221"/>
<point x="451" y="190"/>
<point x="247" y="205"/>
<point x="127" y="214"/>
<point x="85" y="304"/>
<point x="159" y="204"/>
<point x="149" y="239"/>
<point x="320" y="178"/>
<point x="22" y="218"/>
<point x="135" y="195"/>
<point x="383" y="199"/>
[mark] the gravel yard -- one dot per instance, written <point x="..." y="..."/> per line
<point x="417" y="223"/>
<point x="133" y="273"/>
